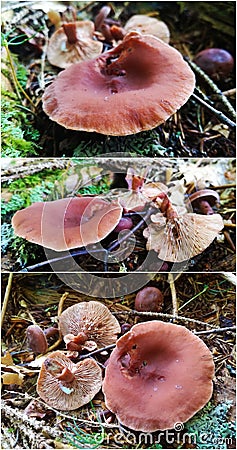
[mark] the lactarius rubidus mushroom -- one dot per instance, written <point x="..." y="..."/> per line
<point x="203" y="200"/>
<point x="67" y="223"/>
<point x="159" y="374"/>
<point x="178" y="237"/>
<point x="36" y="339"/>
<point x="88" y="322"/>
<point x="133" y="87"/>
<point x="148" y="25"/>
<point x="64" y="385"/>
<point x="72" y="43"/>
<point x="216" y="62"/>
<point x="149" y="299"/>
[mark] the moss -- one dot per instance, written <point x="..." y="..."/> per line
<point x="19" y="138"/>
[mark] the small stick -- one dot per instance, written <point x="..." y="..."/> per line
<point x="195" y="296"/>
<point x="216" y="330"/>
<point x="99" y="350"/>
<point x="214" y="87"/>
<point x="165" y="316"/>
<point x="173" y="294"/>
<point x="219" y="114"/>
<point x="6" y="297"/>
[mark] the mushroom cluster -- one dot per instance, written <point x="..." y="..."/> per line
<point x="63" y="384"/>
<point x="134" y="87"/>
<point x="158" y="374"/>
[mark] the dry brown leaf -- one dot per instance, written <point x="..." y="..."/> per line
<point x="7" y="359"/>
<point x="12" y="378"/>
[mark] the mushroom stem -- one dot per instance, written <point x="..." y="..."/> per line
<point x="66" y="375"/>
<point x="205" y="208"/>
<point x="166" y="206"/>
<point x="70" y="30"/>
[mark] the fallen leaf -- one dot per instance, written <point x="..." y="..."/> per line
<point x="12" y="378"/>
<point x="7" y="359"/>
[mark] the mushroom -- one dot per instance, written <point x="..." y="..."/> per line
<point x="133" y="199"/>
<point x="216" y="62"/>
<point x="88" y="321"/>
<point x="203" y="200"/>
<point x="72" y="43"/>
<point x="159" y="374"/>
<point x="64" y="385"/>
<point x="148" y="25"/>
<point x="36" y="339"/>
<point x="67" y="223"/>
<point x="149" y="299"/>
<point x="134" y="87"/>
<point x="179" y="237"/>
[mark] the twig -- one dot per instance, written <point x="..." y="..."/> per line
<point x="216" y="330"/>
<point x="214" y="87"/>
<point x="6" y="297"/>
<point x="16" y="82"/>
<point x="219" y="114"/>
<point x="58" y="412"/>
<point x="165" y="316"/>
<point x="195" y="296"/>
<point x="99" y="350"/>
<point x="173" y="294"/>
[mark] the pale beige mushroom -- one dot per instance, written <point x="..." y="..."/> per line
<point x="88" y="322"/>
<point x="179" y="237"/>
<point x="64" y="385"/>
<point x="148" y="25"/>
<point x="72" y="43"/>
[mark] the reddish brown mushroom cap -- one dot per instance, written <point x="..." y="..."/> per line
<point x="158" y="374"/>
<point x="149" y="299"/>
<point x="36" y="339"/>
<point x="93" y="319"/>
<point x="65" y="385"/>
<point x="204" y="194"/>
<point x="133" y="87"/>
<point x="63" y="51"/>
<point x="68" y="222"/>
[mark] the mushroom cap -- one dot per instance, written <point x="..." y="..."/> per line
<point x="204" y="194"/>
<point x="216" y="62"/>
<point x="158" y="374"/>
<point x="66" y="395"/>
<point x="67" y="223"/>
<point x="131" y="88"/>
<point x="36" y="339"/>
<point x="94" y="319"/>
<point x="148" y="25"/>
<point x="181" y="238"/>
<point x="63" y="54"/>
<point x="149" y="299"/>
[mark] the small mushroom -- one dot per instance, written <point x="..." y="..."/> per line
<point x="203" y="200"/>
<point x="88" y="321"/>
<point x="134" y="87"/>
<point x="67" y="223"/>
<point x="72" y="43"/>
<point x="64" y="385"/>
<point x="179" y="237"/>
<point x="36" y="339"/>
<point x="148" y="25"/>
<point x="149" y="299"/>
<point x="133" y="199"/>
<point x="216" y="62"/>
<point x="159" y="374"/>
